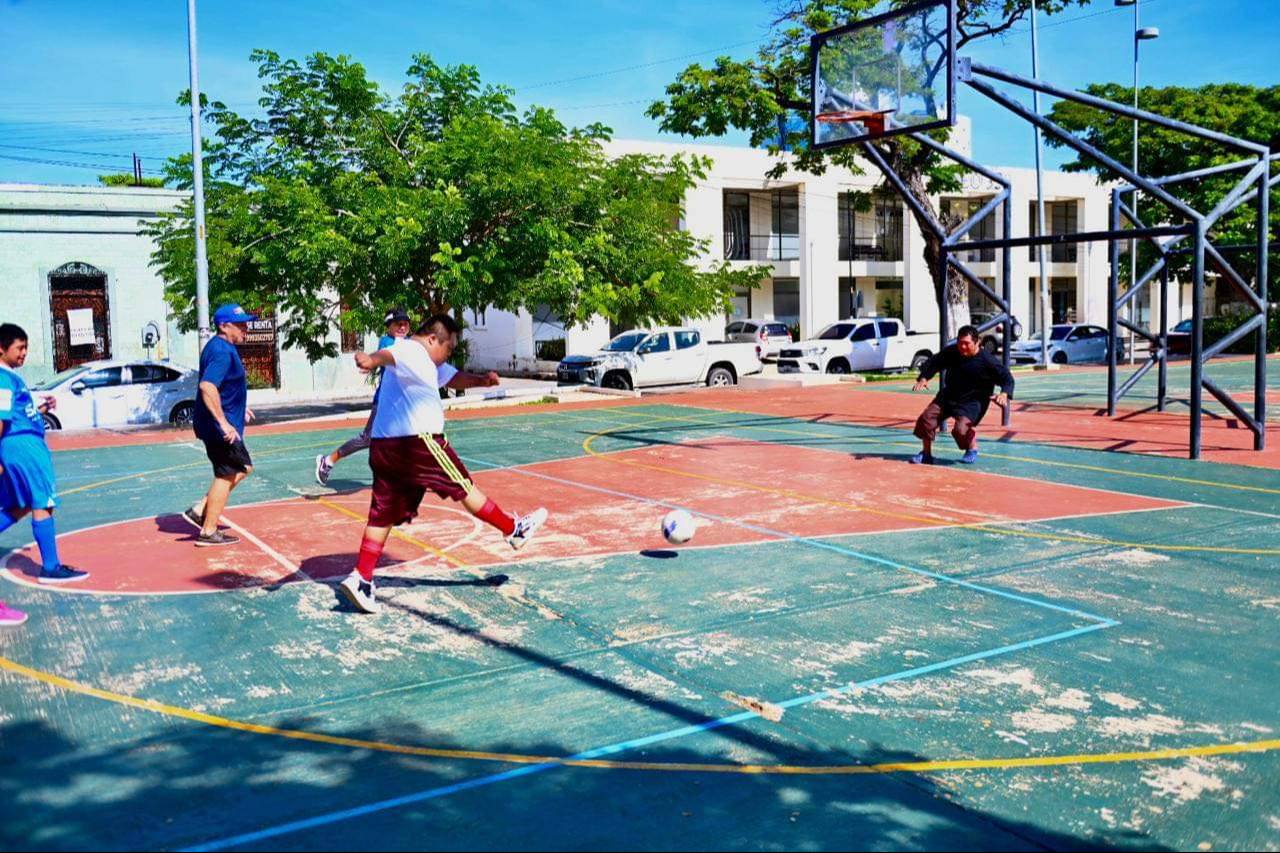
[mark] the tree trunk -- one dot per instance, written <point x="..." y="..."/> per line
<point x="950" y="289"/>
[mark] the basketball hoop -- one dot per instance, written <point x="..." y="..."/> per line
<point x="872" y="120"/>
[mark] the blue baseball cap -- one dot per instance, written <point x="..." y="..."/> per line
<point x="232" y="313"/>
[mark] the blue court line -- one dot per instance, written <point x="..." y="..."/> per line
<point x="817" y="543"/>
<point x="635" y="743"/>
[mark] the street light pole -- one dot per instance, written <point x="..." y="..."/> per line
<point x="1040" y="230"/>
<point x="1139" y="35"/>
<point x="197" y="172"/>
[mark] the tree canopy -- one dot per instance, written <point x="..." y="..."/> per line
<point x="341" y="200"/>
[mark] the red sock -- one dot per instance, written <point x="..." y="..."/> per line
<point x="370" y="551"/>
<point x="490" y="514"/>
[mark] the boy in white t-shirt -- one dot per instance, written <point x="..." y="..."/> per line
<point x="409" y="453"/>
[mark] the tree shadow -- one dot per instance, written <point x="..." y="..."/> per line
<point x="190" y="784"/>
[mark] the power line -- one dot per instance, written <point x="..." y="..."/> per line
<point x="72" y="164"/>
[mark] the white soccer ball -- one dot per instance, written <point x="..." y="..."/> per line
<point x="677" y="527"/>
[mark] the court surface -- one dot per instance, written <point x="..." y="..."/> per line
<point x="1070" y="645"/>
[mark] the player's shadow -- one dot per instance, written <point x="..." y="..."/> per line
<point x="176" y="525"/>
<point x="659" y="554"/>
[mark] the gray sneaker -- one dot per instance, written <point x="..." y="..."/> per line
<point x="323" y="469"/>
<point x="193" y="517"/>
<point x="216" y="538"/>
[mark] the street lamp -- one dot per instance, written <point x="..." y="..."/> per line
<point x="1140" y="34"/>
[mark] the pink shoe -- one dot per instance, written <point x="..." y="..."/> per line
<point x="9" y="616"/>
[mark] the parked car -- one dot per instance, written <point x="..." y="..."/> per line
<point x="855" y="345"/>
<point x="993" y="338"/>
<point x="1069" y="343"/>
<point x="771" y="335"/>
<point x="1180" y="339"/>
<point x="117" y="393"/>
<point x="664" y="356"/>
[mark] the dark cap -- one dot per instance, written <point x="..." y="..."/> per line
<point x="396" y="314"/>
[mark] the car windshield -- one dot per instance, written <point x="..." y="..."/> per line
<point x="836" y="332"/>
<point x="59" y="379"/>
<point x="1184" y="326"/>
<point x="625" y="343"/>
<point x="1059" y="333"/>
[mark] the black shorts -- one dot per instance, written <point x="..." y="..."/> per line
<point x="228" y="459"/>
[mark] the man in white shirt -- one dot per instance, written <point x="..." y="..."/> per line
<point x="410" y="454"/>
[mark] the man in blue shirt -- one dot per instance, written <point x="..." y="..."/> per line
<point x="221" y="412"/>
<point x="398" y="325"/>
<point x="26" y="467"/>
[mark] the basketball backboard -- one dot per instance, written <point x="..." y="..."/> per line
<point x="888" y="74"/>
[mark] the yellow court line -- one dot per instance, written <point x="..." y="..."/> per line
<point x="986" y="528"/>
<point x="651" y="766"/>
<point x="199" y="464"/>
<point x="399" y="535"/>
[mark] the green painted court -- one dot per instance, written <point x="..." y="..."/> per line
<point x="1063" y="647"/>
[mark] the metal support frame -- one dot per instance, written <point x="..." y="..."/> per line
<point x="1254" y="186"/>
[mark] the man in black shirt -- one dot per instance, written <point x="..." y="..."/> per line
<point x="970" y="376"/>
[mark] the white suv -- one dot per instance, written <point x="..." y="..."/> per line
<point x="771" y="335"/>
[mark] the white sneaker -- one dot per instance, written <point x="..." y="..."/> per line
<point x="323" y="469"/>
<point x="359" y="592"/>
<point x="526" y="526"/>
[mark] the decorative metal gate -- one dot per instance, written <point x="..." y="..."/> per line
<point x="260" y="354"/>
<point x="78" y="286"/>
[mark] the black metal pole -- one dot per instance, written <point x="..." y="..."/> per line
<point x="1006" y="275"/>
<point x="1113" y="289"/>
<point x="1197" y="338"/>
<point x="1162" y="384"/>
<point x="1260" y="353"/>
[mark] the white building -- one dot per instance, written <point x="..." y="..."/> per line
<point x="71" y="247"/>
<point x="831" y="257"/>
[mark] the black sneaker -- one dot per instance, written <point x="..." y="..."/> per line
<point x="216" y="538"/>
<point x="190" y="515"/>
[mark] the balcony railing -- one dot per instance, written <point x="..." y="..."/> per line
<point x="761" y="247"/>
<point x="870" y="249"/>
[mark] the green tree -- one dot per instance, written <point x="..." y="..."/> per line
<point x="121" y="180"/>
<point x="342" y="199"/>
<point x="1246" y="112"/>
<point x="762" y="96"/>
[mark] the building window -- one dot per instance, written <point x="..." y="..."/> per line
<point x="737" y="226"/>
<point x="786" y="300"/>
<point x="870" y="228"/>
<point x="479" y="317"/>
<point x="962" y="209"/>
<point x="739" y="306"/>
<point x="1062" y="217"/>
<point x="1062" y="301"/>
<point x="784" y="237"/>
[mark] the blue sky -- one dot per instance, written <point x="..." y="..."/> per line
<point x="89" y="83"/>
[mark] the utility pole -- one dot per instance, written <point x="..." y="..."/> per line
<point x="197" y="171"/>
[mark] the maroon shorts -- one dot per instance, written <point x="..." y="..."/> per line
<point x="403" y="470"/>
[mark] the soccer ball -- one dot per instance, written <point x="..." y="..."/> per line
<point x="677" y="527"/>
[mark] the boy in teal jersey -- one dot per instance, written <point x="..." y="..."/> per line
<point x="26" y="467"/>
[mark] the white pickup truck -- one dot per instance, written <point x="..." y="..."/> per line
<point x="868" y="343"/>
<point x="664" y="356"/>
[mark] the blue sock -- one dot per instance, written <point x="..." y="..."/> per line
<point x="46" y="538"/>
<point x="6" y="520"/>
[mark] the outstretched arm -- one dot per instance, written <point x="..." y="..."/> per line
<point x="462" y="381"/>
<point x="371" y="361"/>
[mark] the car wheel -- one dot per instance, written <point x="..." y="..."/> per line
<point x="1059" y="357"/>
<point x="989" y="344"/>
<point x="50" y="422"/>
<point x="617" y="380"/>
<point x="183" y="414"/>
<point x="839" y="365"/>
<point x="720" y="377"/>
<point x="919" y="361"/>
